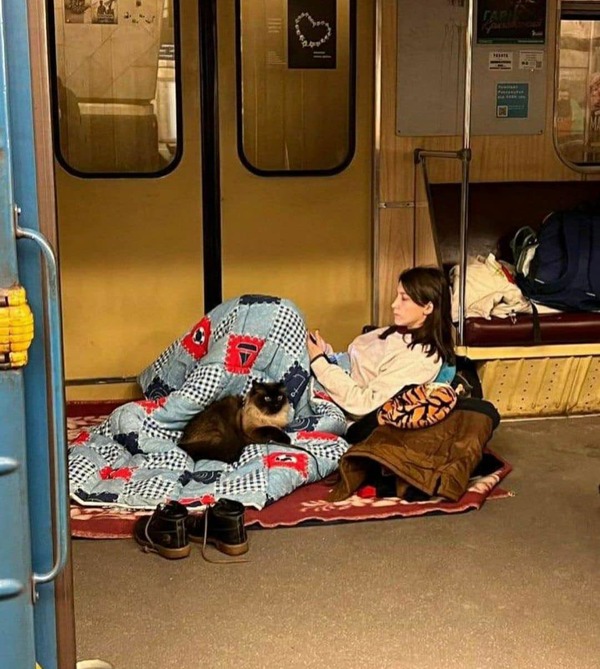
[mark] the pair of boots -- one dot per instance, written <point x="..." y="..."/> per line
<point x="169" y="530"/>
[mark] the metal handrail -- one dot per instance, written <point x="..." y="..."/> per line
<point x="464" y="155"/>
<point x="376" y="165"/>
<point x="59" y="440"/>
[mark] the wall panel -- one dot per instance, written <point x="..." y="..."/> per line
<point x="494" y="158"/>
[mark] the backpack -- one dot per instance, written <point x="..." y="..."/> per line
<point x="560" y="265"/>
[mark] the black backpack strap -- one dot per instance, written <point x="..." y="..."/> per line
<point x="537" y="331"/>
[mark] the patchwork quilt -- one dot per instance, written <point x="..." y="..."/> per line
<point x="132" y="459"/>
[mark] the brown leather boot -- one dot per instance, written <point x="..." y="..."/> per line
<point x="223" y="526"/>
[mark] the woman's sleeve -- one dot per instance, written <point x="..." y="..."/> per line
<point x="357" y="400"/>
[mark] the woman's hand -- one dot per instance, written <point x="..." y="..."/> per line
<point x="325" y="347"/>
<point x="316" y="345"/>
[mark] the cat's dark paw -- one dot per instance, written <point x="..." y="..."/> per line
<point x="284" y="437"/>
<point x="265" y="434"/>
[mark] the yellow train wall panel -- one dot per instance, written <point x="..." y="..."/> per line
<point x="521" y="388"/>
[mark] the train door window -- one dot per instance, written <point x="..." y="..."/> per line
<point x="296" y="72"/>
<point x="577" y="101"/>
<point x="117" y="102"/>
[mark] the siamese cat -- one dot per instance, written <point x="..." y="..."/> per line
<point x="224" y="428"/>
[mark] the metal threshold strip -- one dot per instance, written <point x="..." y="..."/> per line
<point x="100" y="380"/>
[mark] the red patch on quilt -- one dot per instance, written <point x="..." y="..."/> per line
<point x="323" y="436"/>
<point x="296" y="461"/>
<point x="204" y="499"/>
<point x="81" y="438"/>
<point x="150" y="405"/>
<point x="242" y="352"/>
<point x="322" y="395"/>
<point x="195" y="342"/>
<point x="122" y="473"/>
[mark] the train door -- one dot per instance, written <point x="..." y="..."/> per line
<point x="34" y="518"/>
<point x="132" y="249"/>
<point x="296" y="156"/>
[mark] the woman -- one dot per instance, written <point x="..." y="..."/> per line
<point x="385" y="360"/>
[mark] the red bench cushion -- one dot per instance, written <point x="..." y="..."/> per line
<point x="563" y="328"/>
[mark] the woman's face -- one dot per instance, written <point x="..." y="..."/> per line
<point x="408" y="313"/>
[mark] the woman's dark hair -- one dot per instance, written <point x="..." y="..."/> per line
<point x="424" y="285"/>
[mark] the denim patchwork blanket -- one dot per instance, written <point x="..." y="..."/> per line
<point x="132" y="459"/>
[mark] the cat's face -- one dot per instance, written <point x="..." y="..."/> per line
<point x="268" y="397"/>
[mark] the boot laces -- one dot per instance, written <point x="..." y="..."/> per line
<point x="230" y="560"/>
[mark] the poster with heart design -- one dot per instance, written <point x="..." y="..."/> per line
<point x="312" y="34"/>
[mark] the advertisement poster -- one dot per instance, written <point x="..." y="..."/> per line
<point x="512" y="100"/>
<point x="75" y="10"/>
<point x="275" y="41"/>
<point x="105" y="11"/>
<point x="312" y="34"/>
<point x="511" y="21"/>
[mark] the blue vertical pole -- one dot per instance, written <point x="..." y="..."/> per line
<point x="38" y="440"/>
<point x="17" y="641"/>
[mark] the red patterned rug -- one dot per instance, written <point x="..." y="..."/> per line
<point x="305" y="506"/>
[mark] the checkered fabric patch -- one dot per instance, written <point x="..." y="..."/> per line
<point x="254" y="481"/>
<point x="174" y="460"/>
<point x="151" y="429"/>
<point x="289" y="331"/>
<point x="153" y="489"/>
<point x="330" y="451"/>
<point x="165" y="356"/>
<point x="203" y="384"/>
<point x="224" y="327"/>
<point x="110" y="452"/>
<point x="105" y="429"/>
<point x="80" y="469"/>
<point x="251" y="452"/>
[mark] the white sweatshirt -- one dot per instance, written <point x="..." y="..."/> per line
<point x="379" y="368"/>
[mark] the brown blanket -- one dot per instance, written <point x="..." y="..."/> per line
<point x="437" y="460"/>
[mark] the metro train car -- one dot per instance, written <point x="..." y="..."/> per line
<point x="232" y="199"/>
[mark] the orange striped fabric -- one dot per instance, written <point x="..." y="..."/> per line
<point x="418" y="406"/>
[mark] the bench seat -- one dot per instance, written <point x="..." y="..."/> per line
<point x="496" y="212"/>
<point x="563" y="328"/>
<point x="520" y="377"/>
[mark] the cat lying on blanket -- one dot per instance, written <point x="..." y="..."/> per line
<point x="223" y="429"/>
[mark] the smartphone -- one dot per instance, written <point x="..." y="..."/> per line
<point x="312" y="337"/>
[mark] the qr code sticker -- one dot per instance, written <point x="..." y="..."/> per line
<point x="502" y="111"/>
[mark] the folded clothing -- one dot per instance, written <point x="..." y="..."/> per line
<point x="490" y="290"/>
